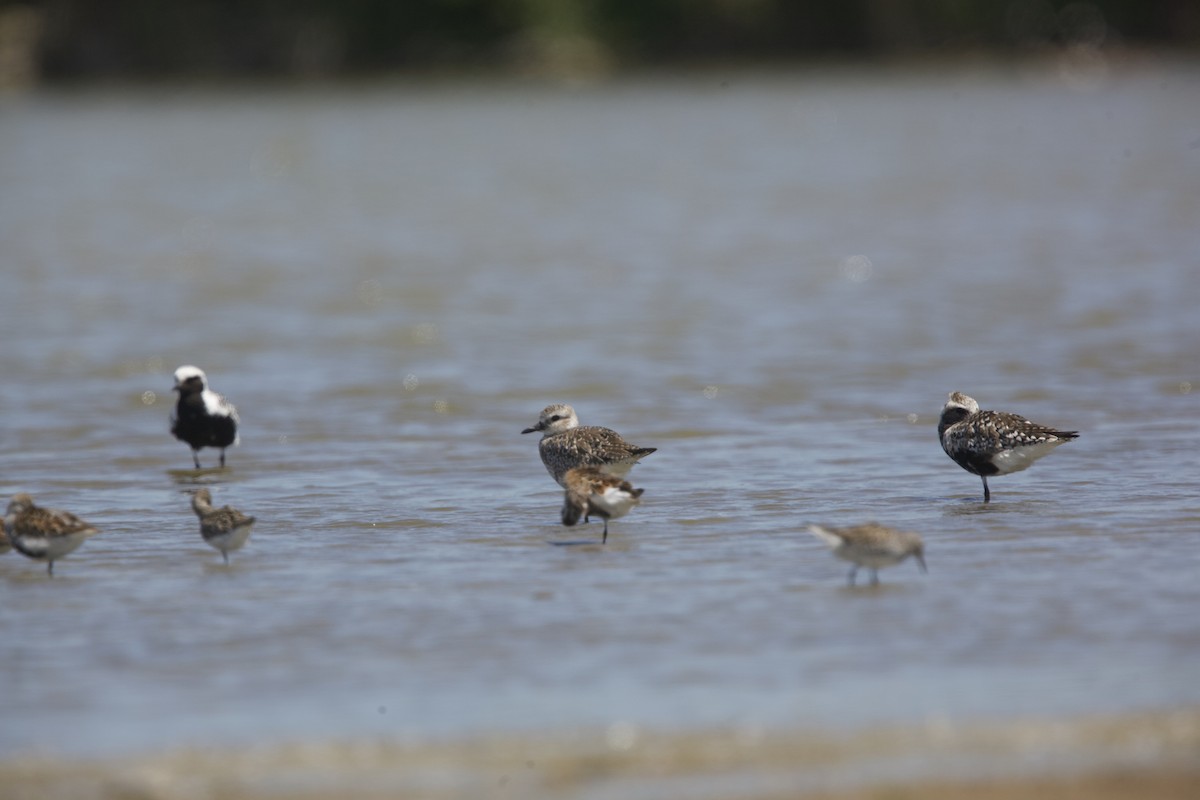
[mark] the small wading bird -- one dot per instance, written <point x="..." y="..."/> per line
<point x="993" y="442"/>
<point x="871" y="545"/>
<point x="202" y="418"/>
<point x="565" y="445"/>
<point x="225" y="528"/>
<point x="43" y="534"/>
<point x="590" y="491"/>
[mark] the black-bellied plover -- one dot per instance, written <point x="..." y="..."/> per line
<point x="565" y="444"/>
<point x="590" y="491"/>
<point x="224" y="528"/>
<point x="43" y="534"/>
<point x="202" y="417"/>
<point x="872" y="545"/>
<point x="993" y="442"/>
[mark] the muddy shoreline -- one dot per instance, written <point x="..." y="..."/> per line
<point x="1143" y="755"/>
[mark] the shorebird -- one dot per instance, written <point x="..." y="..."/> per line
<point x="224" y="528"/>
<point x="202" y="417"/>
<point x="43" y="534"/>
<point x="993" y="442"/>
<point x="590" y="491"/>
<point x="565" y="444"/>
<point x="872" y="545"/>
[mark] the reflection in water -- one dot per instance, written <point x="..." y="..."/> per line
<point x="209" y="475"/>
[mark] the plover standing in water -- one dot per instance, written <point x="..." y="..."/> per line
<point x="872" y="545"/>
<point x="565" y="445"/>
<point x="224" y="528"/>
<point x="993" y="442"/>
<point x="590" y="491"/>
<point x="43" y="534"/>
<point x="202" y="417"/>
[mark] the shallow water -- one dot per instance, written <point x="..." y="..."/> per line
<point x="773" y="278"/>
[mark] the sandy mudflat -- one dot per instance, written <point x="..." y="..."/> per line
<point x="1146" y="784"/>
<point x="1136" y="756"/>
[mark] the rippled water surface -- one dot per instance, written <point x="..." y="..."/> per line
<point x="773" y="278"/>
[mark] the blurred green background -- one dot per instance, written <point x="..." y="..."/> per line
<point x="56" y="40"/>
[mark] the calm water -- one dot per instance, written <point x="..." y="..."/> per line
<point x="774" y="279"/>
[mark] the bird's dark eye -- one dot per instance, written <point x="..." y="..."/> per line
<point x="555" y="418"/>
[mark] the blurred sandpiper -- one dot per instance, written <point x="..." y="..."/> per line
<point x="871" y="545"/>
<point x="43" y="534"/>
<point x="224" y="528"/>
<point x="590" y="491"/>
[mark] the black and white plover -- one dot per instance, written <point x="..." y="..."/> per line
<point x="202" y="417"/>
<point x="993" y="442"/>
<point x="565" y="445"/>
<point x="590" y="491"/>
<point x="43" y="534"/>
<point x="872" y="545"/>
<point x="224" y="528"/>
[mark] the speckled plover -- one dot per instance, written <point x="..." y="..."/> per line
<point x="993" y="442"/>
<point x="590" y="491"/>
<point x="202" y="417"/>
<point x="43" y="534"/>
<point x="872" y="545"/>
<point x="565" y="444"/>
<point x="224" y="528"/>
